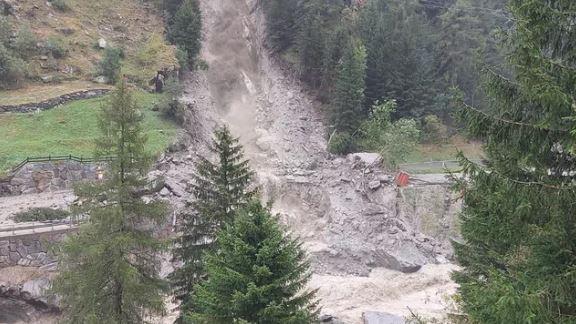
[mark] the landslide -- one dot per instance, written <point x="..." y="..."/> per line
<point x="369" y="251"/>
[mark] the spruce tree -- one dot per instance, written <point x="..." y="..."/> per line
<point x="281" y="16"/>
<point x="220" y="188"/>
<point x="518" y="223"/>
<point x="107" y="271"/>
<point x="258" y="275"/>
<point x="347" y="106"/>
<point x="401" y="56"/>
<point x="185" y="29"/>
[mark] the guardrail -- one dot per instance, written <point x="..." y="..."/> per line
<point x="50" y="158"/>
<point x="434" y="166"/>
<point x="30" y="228"/>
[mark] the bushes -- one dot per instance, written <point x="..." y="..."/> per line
<point x="393" y="140"/>
<point x="433" y="130"/>
<point x="40" y="214"/>
<point x="341" y="143"/>
<point x="61" y="5"/>
<point x="12" y="69"/>
<point x="25" y="42"/>
<point x="110" y="64"/>
<point x="169" y="104"/>
<point x="57" y="47"/>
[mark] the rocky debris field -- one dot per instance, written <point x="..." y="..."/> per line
<point x="368" y="251"/>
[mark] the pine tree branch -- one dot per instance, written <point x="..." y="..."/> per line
<point x="511" y="122"/>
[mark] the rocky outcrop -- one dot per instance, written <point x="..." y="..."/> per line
<point x="51" y="103"/>
<point x="49" y="176"/>
<point x="26" y="301"/>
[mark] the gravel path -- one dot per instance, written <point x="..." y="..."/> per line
<point x="14" y="204"/>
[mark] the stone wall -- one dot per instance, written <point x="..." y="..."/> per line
<point x="49" y="176"/>
<point x="51" y="103"/>
<point x="29" y="250"/>
<point x="431" y="210"/>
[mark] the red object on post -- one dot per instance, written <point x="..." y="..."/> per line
<point x="402" y="179"/>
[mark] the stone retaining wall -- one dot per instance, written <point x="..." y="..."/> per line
<point x="51" y="103"/>
<point x="29" y="250"/>
<point x="40" y="177"/>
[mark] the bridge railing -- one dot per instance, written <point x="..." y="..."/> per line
<point x="37" y="227"/>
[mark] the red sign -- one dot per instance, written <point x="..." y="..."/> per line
<point x="402" y="179"/>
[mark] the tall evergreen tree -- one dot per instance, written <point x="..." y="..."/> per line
<point x="281" y="17"/>
<point x="316" y="17"/>
<point x="347" y="106"/>
<point x="400" y="56"/>
<point x="220" y="188"/>
<point x="468" y="41"/>
<point x="518" y="223"/>
<point x="258" y="275"/>
<point x="108" y="270"/>
<point x="185" y="29"/>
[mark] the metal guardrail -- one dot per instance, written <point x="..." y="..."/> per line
<point x="38" y="227"/>
<point x="433" y="165"/>
<point x="50" y="158"/>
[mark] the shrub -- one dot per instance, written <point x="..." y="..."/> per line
<point x="433" y="130"/>
<point x="12" y="69"/>
<point x="40" y="214"/>
<point x="109" y="65"/>
<point x="25" y="42"/>
<point x="340" y="143"/>
<point x="394" y="140"/>
<point x="5" y="31"/>
<point x="61" y="5"/>
<point x="57" y="46"/>
<point x="182" y="57"/>
<point x="169" y="104"/>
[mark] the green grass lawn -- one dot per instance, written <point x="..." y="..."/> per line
<point x="71" y="129"/>
<point x="441" y="152"/>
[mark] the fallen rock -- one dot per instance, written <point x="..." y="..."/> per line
<point x="100" y="79"/>
<point x="374" y="185"/>
<point x="382" y="318"/>
<point x="47" y="78"/>
<point x="164" y="192"/>
<point x="364" y="157"/>
<point x="102" y="43"/>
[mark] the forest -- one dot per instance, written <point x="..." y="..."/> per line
<point x="411" y="56"/>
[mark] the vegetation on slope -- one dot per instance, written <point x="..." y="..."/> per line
<point x="64" y="44"/>
<point x="71" y="129"/>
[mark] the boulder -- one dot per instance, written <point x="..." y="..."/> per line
<point x="365" y="157"/>
<point x="101" y="79"/>
<point x="374" y="185"/>
<point x="102" y="43"/>
<point x="405" y="258"/>
<point x="382" y="318"/>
